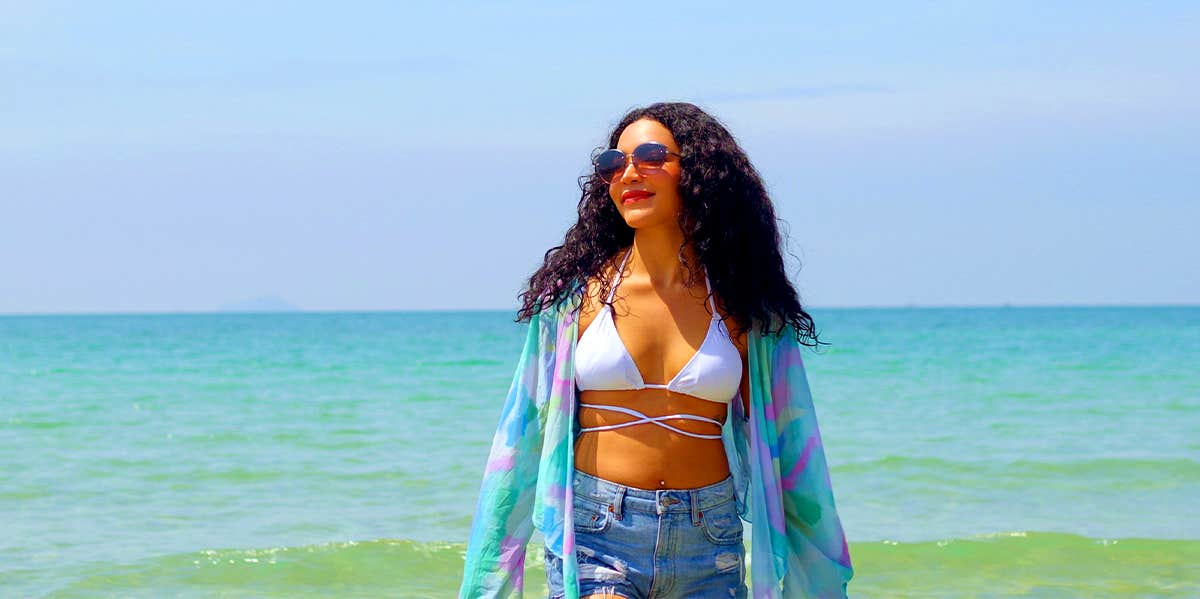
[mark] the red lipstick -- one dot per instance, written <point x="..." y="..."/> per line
<point x="634" y="195"/>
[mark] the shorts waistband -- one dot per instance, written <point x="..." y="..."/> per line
<point x="654" y="501"/>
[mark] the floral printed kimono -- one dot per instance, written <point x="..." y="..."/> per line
<point x="797" y="547"/>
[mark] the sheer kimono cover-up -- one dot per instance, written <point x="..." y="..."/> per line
<point x="797" y="545"/>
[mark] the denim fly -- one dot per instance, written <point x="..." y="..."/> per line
<point x="654" y="544"/>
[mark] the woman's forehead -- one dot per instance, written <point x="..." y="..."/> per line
<point x="642" y="131"/>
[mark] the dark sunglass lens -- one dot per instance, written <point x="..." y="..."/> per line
<point x="609" y="162"/>
<point x="650" y="154"/>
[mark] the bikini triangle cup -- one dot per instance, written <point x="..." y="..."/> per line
<point x="603" y="363"/>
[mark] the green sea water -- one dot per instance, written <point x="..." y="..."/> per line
<point x="974" y="452"/>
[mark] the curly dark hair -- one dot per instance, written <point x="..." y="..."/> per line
<point x="726" y="216"/>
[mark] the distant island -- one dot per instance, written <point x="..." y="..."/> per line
<point x="266" y="303"/>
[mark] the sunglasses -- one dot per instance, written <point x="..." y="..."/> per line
<point x="649" y="156"/>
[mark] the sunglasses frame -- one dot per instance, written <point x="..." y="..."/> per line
<point x="630" y="156"/>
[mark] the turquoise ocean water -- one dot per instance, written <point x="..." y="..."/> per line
<point x="975" y="452"/>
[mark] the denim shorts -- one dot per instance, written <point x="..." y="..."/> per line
<point x="643" y="544"/>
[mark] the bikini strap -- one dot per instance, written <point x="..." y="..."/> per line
<point x="617" y="277"/>
<point x="708" y="291"/>
<point x="657" y="420"/>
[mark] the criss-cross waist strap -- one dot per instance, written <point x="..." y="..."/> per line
<point x="652" y="420"/>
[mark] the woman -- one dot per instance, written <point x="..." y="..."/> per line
<point x="657" y="418"/>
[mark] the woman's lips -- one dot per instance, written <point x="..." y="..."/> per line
<point x="630" y="197"/>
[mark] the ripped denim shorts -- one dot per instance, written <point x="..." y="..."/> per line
<point x="642" y="544"/>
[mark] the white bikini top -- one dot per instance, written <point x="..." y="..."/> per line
<point x="603" y="363"/>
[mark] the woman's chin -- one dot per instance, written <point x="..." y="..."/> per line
<point x="648" y="221"/>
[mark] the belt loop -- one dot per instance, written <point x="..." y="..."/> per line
<point x="695" y="501"/>
<point x="618" y="501"/>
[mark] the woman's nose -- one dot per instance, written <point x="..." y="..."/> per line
<point x="630" y="173"/>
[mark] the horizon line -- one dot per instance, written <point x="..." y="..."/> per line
<point x="438" y="310"/>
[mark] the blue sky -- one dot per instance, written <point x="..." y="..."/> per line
<point x="419" y="156"/>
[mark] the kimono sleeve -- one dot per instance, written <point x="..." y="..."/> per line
<point x="503" y="523"/>
<point x="818" y="557"/>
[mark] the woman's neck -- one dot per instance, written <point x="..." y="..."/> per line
<point x="656" y="252"/>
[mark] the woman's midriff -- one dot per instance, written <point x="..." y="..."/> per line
<point x="648" y="456"/>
